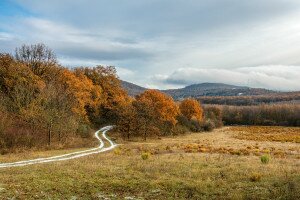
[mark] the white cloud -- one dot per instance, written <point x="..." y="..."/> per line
<point x="159" y="37"/>
<point x="124" y="73"/>
<point x="277" y="77"/>
<point x="5" y="36"/>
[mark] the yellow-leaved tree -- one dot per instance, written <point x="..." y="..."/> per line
<point x="158" y="110"/>
<point x="191" y="109"/>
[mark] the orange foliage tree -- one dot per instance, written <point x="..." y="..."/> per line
<point x="82" y="92"/>
<point x="165" y="109"/>
<point x="113" y="95"/>
<point x="18" y="83"/>
<point x="162" y="104"/>
<point x="127" y="120"/>
<point x="191" y="109"/>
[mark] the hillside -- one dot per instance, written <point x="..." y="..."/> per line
<point x="202" y="89"/>
<point x="132" y="89"/>
<point x="214" y="89"/>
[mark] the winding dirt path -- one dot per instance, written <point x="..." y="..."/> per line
<point x="69" y="156"/>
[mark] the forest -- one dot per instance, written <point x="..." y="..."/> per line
<point x="280" y="97"/>
<point x="44" y="104"/>
<point x="264" y="114"/>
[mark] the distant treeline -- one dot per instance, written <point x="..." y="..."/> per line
<point x="269" y="115"/>
<point x="251" y="100"/>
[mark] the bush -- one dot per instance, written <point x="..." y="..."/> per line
<point x="84" y="130"/>
<point x="184" y="121"/>
<point x="265" y="159"/>
<point x="179" y="130"/>
<point x="255" y="177"/>
<point x="208" y="125"/>
<point x="214" y="114"/>
<point x="117" y="151"/>
<point x="5" y="122"/>
<point x="196" y="126"/>
<point x="192" y="125"/>
<point x="269" y="122"/>
<point x="145" y="155"/>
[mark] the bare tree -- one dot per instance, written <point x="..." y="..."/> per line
<point x="38" y="57"/>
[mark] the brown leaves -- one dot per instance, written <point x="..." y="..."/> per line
<point x="190" y="108"/>
<point x="163" y="105"/>
<point x="18" y="82"/>
<point x="82" y="90"/>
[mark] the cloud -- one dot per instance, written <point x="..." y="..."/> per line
<point x="276" y="77"/>
<point x="82" y="44"/>
<point x="5" y="36"/>
<point x="156" y="17"/>
<point x="158" y="37"/>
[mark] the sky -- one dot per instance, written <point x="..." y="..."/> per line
<point x="166" y="43"/>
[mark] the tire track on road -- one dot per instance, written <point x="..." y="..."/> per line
<point x="68" y="156"/>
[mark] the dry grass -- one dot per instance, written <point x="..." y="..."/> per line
<point x="267" y="133"/>
<point x="27" y="155"/>
<point x="171" y="172"/>
<point x="222" y="141"/>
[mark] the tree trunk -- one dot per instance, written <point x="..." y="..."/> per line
<point x="145" y="132"/>
<point x="49" y="133"/>
<point x="59" y="136"/>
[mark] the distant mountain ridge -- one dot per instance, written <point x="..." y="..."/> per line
<point x="215" y="89"/>
<point x="132" y="89"/>
<point x="202" y="89"/>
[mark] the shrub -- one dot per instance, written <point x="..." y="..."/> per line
<point x="180" y="129"/>
<point x="145" y="155"/>
<point x="117" y="151"/>
<point x="184" y="121"/>
<point x="196" y="126"/>
<point x="265" y="159"/>
<point x="214" y="114"/>
<point x="255" y="177"/>
<point x="208" y="125"/>
<point x="84" y="130"/>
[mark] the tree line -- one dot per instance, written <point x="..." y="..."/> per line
<point x="154" y="113"/>
<point x="264" y="114"/>
<point x="44" y="103"/>
<point x="280" y="97"/>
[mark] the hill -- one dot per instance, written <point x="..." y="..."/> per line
<point x="202" y="89"/>
<point x="132" y="89"/>
<point x="215" y="89"/>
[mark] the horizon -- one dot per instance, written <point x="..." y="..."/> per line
<point x="200" y="83"/>
<point x="166" y="45"/>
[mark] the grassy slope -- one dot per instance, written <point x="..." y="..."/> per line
<point x="170" y="173"/>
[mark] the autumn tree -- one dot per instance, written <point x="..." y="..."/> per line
<point x="127" y="122"/>
<point x="161" y="106"/>
<point x="38" y="57"/>
<point x="191" y="109"/>
<point x="113" y="95"/>
<point x="82" y="92"/>
<point x="147" y="119"/>
<point x="50" y="114"/>
<point x="18" y="82"/>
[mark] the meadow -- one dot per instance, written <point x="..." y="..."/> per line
<point x="226" y="163"/>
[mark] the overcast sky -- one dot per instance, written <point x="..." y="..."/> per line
<point x="166" y="43"/>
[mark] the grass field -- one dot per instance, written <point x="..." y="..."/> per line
<point x="223" y="164"/>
